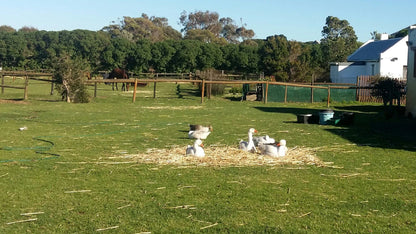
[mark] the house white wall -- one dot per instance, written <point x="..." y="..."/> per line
<point x="411" y="76"/>
<point x="371" y="69"/>
<point x="393" y="60"/>
<point x="346" y="72"/>
<point x="391" y="63"/>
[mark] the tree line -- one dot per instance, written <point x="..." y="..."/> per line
<point x="206" y="41"/>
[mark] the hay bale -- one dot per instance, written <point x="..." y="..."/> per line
<point x="225" y="156"/>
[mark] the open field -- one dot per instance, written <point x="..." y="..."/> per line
<point x="116" y="166"/>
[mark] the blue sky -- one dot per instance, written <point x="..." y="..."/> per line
<point x="300" y="20"/>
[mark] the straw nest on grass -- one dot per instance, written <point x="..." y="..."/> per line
<point x="224" y="156"/>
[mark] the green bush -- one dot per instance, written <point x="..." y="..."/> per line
<point x="69" y="76"/>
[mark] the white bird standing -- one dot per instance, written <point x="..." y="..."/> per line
<point x="196" y="149"/>
<point x="274" y="150"/>
<point x="248" y="145"/>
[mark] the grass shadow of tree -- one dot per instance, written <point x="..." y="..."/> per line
<point x="370" y="127"/>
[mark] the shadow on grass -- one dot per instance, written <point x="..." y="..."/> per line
<point x="370" y="127"/>
<point x="234" y="98"/>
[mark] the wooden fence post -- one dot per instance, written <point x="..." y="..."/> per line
<point x="329" y="96"/>
<point x="95" y="88"/>
<point x="357" y="92"/>
<point x="26" y="87"/>
<point x="154" y="86"/>
<point x="202" y="91"/>
<point x="135" y="89"/>
<point x="52" y="84"/>
<point x="312" y="91"/>
<point x="267" y="92"/>
<point x="2" y="83"/>
<point x="285" y="93"/>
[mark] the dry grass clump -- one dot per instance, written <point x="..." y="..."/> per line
<point x="225" y="156"/>
<point x="172" y="107"/>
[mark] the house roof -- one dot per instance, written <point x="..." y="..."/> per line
<point x="371" y="51"/>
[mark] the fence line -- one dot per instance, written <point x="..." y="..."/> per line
<point x="363" y="86"/>
<point x="135" y="81"/>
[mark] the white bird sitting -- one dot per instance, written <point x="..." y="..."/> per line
<point x="197" y="127"/>
<point x="198" y="134"/>
<point x="248" y="145"/>
<point x="196" y="149"/>
<point x="274" y="150"/>
<point x="282" y="148"/>
<point x="263" y="140"/>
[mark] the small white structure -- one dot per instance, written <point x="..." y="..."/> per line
<point x="411" y="74"/>
<point x="384" y="57"/>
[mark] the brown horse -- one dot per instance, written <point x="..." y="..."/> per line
<point x="118" y="73"/>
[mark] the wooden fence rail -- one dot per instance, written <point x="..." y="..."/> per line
<point x="25" y="87"/>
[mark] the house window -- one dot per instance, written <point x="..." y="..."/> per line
<point x="372" y="69"/>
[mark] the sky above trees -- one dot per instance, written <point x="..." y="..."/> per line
<point x="300" y="20"/>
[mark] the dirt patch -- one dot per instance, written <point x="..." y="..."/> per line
<point x="223" y="156"/>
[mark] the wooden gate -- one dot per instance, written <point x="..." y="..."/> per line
<point x="364" y="84"/>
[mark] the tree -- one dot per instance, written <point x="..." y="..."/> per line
<point x="6" y="28"/>
<point x="28" y="29"/>
<point x="201" y="20"/>
<point x="375" y="35"/>
<point x="161" y="55"/>
<point x="70" y="77"/>
<point x="275" y="54"/>
<point x="185" y="58"/>
<point x="388" y="89"/>
<point x="210" y="57"/>
<point x="204" y="36"/>
<point x="216" y="26"/>
<point x="139" y="56"/>
<point x="339" y="40"/>
<point x="151" y="28"/>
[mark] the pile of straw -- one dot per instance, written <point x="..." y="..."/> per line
<point x="225" y="156"/>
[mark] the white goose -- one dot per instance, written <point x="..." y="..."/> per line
<point x="263" y="140"/>
<point x="197" y="127"/>
<point x="198" y="134"/>
<point x="248" y="145"/>
<point x="196" y="149"/>
<point x="274" y="150"/>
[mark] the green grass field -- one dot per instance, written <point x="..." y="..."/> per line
<point x="72" y="170"/>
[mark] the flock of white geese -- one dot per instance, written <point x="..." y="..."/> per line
<point x="265" y="144"/>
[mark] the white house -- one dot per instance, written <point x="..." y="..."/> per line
<point x="384" y="57"/>
<point x="411" y="74"/>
